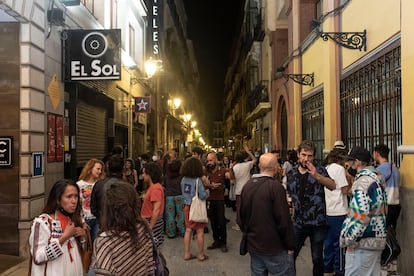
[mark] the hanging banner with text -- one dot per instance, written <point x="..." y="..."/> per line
<point x="92" y="55"/>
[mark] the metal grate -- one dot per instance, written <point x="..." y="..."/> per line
<point x="371" y="105"/>
<point x="312" y="123"/>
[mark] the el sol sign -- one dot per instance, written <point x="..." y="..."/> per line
<point x="92" y="55"/>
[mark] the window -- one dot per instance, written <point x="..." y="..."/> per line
<point x="312" y="123"/>
<point x="371" y="105"/>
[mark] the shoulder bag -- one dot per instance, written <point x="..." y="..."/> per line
<point x="198" y="209"/>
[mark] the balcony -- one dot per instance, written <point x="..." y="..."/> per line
<point x="258" y="102"/>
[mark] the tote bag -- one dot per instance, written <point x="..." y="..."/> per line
<point x="198" y="210"/>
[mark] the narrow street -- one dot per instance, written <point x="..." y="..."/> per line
<point x="219" y="263"/>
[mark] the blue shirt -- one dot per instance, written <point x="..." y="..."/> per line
<point x="188" y="189"/>
<point x="391" y="176"/>
<point x="308" y="197"/>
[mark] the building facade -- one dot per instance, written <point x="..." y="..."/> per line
<point x="335" y="72"/>
<point x="58" y="110"/>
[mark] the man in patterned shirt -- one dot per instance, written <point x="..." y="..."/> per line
<point x="305" y="184"/>
<point x="364" y="230"/>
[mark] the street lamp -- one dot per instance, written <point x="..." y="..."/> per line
<point x="151" y="68"/>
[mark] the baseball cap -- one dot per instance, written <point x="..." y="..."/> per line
<point x="359" y="153"/>
<point x="339" y="145"/>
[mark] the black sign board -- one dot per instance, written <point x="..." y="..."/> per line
<point x="92" y="55"/>
<point x="6" y="145"/>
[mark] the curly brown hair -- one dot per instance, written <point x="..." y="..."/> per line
<point x="192" y="168"/>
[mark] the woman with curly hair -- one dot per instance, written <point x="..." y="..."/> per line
<point x="124" y="247"/>
<point x="192" y="172"/>
<point x="91" y="172"/>
<point x="55" y="234"/>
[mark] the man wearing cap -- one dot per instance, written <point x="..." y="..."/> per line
<point x="364" y="230"/>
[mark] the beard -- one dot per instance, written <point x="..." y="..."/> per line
<point x="211" y="167"/>
<point x="303" y="165"/>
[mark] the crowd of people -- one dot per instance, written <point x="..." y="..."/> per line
<point x="130" y="205"/>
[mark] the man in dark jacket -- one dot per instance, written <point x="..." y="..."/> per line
<point x="265" y="217"/>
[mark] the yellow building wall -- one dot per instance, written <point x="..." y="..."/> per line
<point x="381" y="19"/>
<point x="407" y="96"/>
<point x="312" y="62"/>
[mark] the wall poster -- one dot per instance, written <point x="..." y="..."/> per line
<point x="54" y="137"/>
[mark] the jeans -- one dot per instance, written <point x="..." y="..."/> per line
<point x="363" y="262"/>
<point x="218" y="223"/>
<point x="334" y="257"/>
<point x="281" y="264"/>
<point x="316" y="235"/>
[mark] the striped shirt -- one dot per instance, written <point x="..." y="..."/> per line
<point x="114" y="255"/>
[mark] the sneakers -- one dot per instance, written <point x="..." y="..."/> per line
<point x="235" y="227"/>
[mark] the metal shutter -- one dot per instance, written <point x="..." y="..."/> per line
<point x="91" y="133"/>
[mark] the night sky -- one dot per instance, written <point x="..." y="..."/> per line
<point x="212" y="27"/>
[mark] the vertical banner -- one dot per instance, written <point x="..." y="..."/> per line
<point x="54" y="138"/>
<point x="155" y="24"/>
<point x="51" y="137"/>
<point x="59" y="138"/>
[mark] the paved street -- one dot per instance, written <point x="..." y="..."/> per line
<point x="230" y="263"/>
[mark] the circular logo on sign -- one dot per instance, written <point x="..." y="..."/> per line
<point x="94" y="44"/>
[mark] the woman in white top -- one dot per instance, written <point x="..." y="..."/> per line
<point x="91" y="172"/>
<point x="336" y="210"/>
<point x="56" y="232"/>
<point x="241" y="172"/>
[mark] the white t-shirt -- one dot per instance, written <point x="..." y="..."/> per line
<point x="85" y="196"/>
<point x="336" y="201"/>
<point x="241" y="175"/>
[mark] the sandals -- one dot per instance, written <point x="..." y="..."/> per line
<point x="192" y="257"/>
<point x="203" y="259"/>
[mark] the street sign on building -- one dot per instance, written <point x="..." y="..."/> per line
<point x="6" y="146"/>
<point x="37" y="163"/>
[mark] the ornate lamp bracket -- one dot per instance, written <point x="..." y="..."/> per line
<point x="304" y="79"/>
<point x="350" y="40"/>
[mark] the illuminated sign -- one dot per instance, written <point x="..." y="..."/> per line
<point x="156" y="23"/>
<point x="92" y="55"/>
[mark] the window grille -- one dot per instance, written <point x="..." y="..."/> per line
<point x="371" y="105"/>
<point x="312" y="123"/>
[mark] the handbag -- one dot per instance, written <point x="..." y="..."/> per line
<point x="392" y="247"/>
<point x="198" y="210"/>
<point x="86" y="250"/>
